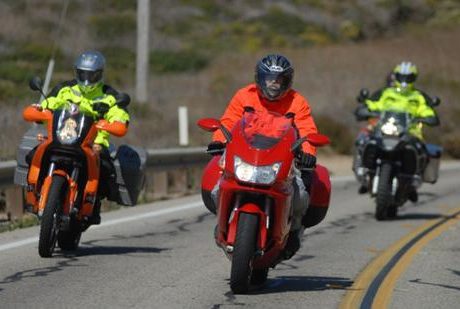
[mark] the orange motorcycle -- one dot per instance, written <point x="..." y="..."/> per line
<point x="63" y="176"/>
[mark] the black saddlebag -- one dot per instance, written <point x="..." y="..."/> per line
<point x="129" y="166"/>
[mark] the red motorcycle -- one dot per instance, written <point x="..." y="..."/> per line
<point x="253" y="190"/>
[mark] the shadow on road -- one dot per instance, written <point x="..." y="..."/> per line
<point x="110" y="250"/>
<point x="418" y="216"/>
<point x="303" y="284"/>
<point x="451" y="287"/>
<point x="41" y="271"/>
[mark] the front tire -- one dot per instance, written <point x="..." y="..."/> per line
<point x="259" y="276"/>
<point x="384" y="198"/>
<point x="49" y="226"/>
<point x="243" y="253"/>
<point x="69" y="240"/>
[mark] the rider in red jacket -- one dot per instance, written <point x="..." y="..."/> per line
<point x="272" y="92"/>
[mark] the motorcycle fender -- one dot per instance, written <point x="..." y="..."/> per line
<point x="71" y="193"/>
<point x="45" y="190"/>
<point x="44" y="194"/>
<point x="249" y="208"/>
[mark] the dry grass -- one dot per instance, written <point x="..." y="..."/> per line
<point x="330" y="77"/>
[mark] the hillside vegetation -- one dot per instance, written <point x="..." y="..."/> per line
<point x="203" y="50"/>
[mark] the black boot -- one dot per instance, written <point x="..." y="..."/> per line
<point x="292" y="244"/>
<point x="413" y="196"/>
<point x="95" y="219"/>
<point x="307" y="179"/>
<point x="362" y="189"/>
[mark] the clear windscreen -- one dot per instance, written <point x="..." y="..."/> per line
<point x="393" y="123"/>
<point x="71" y="123"/>
<point x="263" y="130"/>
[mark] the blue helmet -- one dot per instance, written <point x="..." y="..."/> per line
<point x="273" y="76"/>
<point x="89" y="69"/>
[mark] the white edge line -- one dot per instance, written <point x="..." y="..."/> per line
<point x="151" y="214"/>
<point x="162" y="212"/>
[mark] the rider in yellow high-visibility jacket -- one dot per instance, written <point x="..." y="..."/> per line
<point x="402" y="96"/>
<point x="86" y="90"/>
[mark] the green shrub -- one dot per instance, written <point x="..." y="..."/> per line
<point x="119" y="57"/>
<point x="8" y="89"/>
<point x="165" y="61"/>
<point x="278" y="21"/>
<point x="339" y="134"/>
<point x="15" y="71"/>
<point x="112" y="26"/>
<point x="117" y="5"/>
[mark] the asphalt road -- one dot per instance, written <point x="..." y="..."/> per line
<point x="162" y="255"/>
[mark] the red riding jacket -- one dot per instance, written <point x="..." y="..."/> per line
<point x="292" y="102"/>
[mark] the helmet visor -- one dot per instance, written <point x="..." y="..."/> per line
<point x="405" y="78"/>
<point x="274" y="85"/>
<point x="89" y="77"/>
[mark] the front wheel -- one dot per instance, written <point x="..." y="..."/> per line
<point x="259" y="276"/>
<point x="49" y="226"/>
<point x="243" y="253"/>
<point x="69" y="240"/>
<point x="384" y="198"/>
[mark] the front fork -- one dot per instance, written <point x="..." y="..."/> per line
<point x="69" y="206"/>
<point x="264" y="222"/>
<point x="375" y="182"/>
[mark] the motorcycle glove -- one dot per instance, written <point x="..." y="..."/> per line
<point x="305" y="160"/>
<point x="215" y="148"/>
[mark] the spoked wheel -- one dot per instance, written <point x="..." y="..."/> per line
<point x="384" y="198"/>
<point x="50" y="221"/>
<point x="243" y="253"/>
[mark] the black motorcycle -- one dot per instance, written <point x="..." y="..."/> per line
<point x="395" y="163"/>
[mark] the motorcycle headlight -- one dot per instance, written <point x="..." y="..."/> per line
<point x="67" y="134"/>
<point x="256" y="174"/>
<point x="390" y="128"/>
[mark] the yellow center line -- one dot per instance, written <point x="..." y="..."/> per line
<point x="357" y="291"/>
<point x="384" y="294"/>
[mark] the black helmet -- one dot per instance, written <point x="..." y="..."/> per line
<point x="273" y="75"/>
<point x="89" y="68"/>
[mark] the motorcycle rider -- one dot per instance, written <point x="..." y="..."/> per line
<point x="399" y="95"/>
<point x="88" y="91"/>
<point x="272" y="92"/>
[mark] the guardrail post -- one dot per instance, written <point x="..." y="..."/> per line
<point x="178" y="181"/>
<point x="194" y="178"/>
<point x="158" y="188"/>
<point x="14" y="199"/>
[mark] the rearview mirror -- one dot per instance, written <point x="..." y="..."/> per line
<point x="317" y="139"/>
<point x="435" y="101"/>
<point x="123" y="100"/>
<point x="212" y="125"/>
<point x="209" y="124"/>
<point x="35" y="83"/>
<point x="363" y="95"/>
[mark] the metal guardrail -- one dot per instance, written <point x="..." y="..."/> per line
<point x="157" y="159"/>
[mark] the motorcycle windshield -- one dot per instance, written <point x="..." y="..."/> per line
<point x="71" y="124"/>
<point x="393" y="123"/>
<point x="263" y="130"/>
